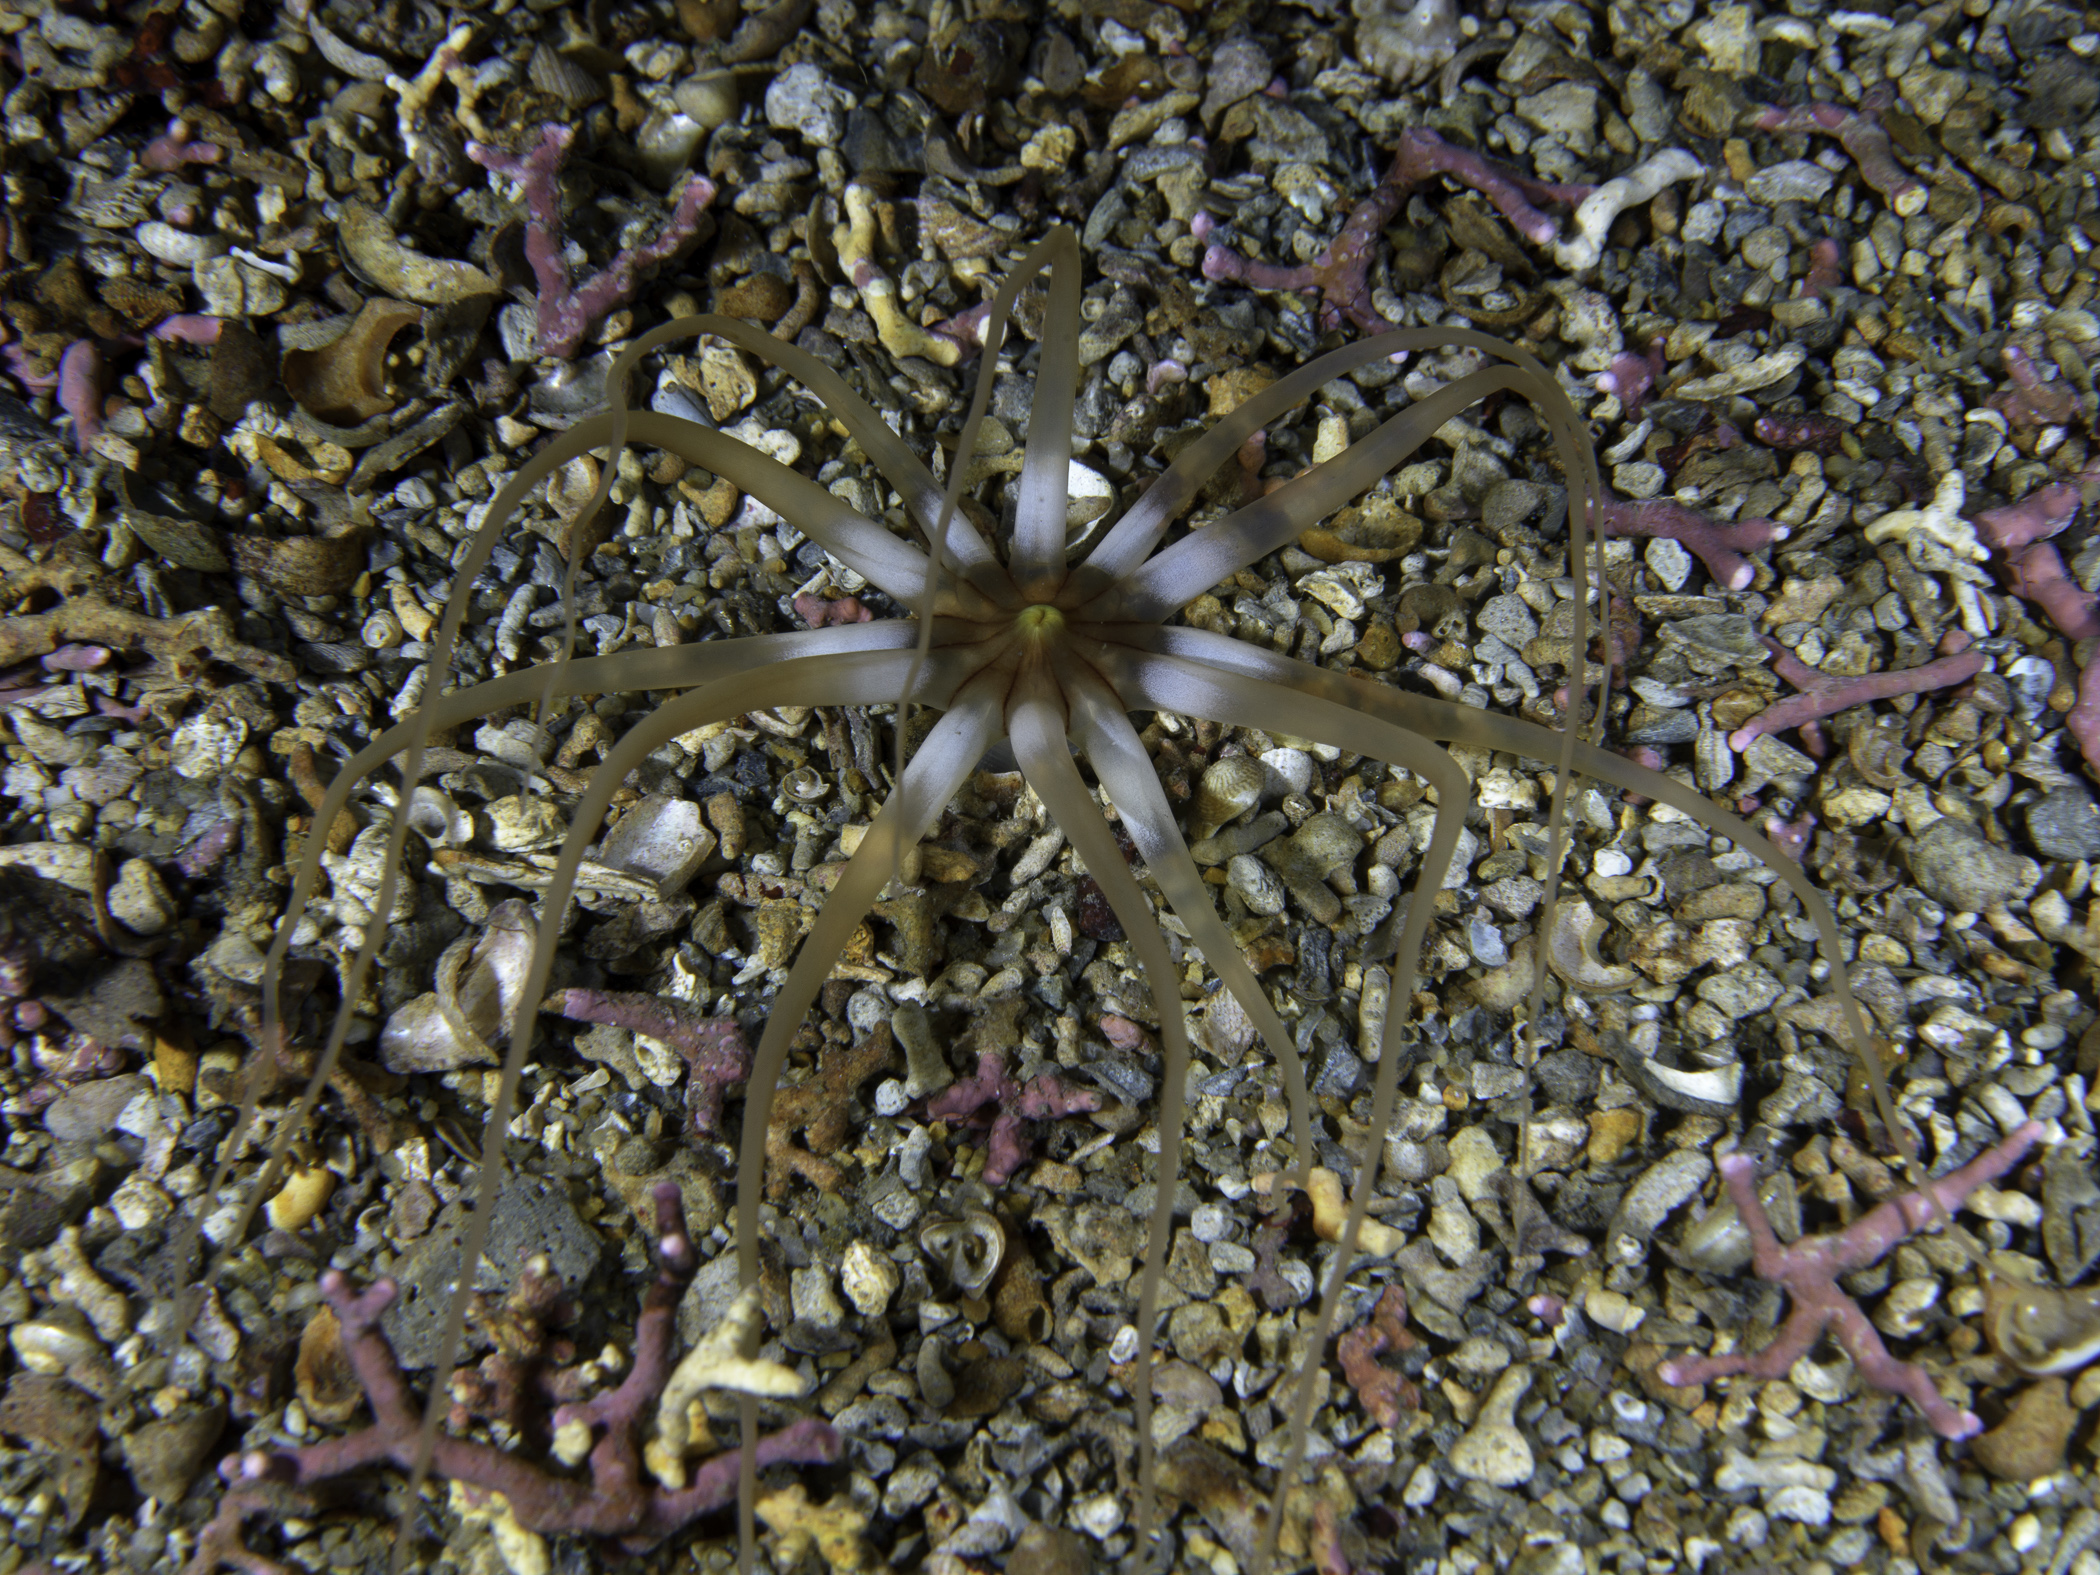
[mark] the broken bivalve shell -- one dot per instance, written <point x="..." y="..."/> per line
<point x="1227" y="789"/>
<point x="969" y="1248"/>
<point x="1571" y="951"/>
<point x="480" y="985"/>
<point x="434" y="817"/>
<point x="667" y="144"/>
<point x="1019" y="1306"/>
<point x="553" y="72"/>
<point x="2040" y="1328"/>
<point x="1719" y="1242"/>
<point x="346" y="381"/>
<point x="370" y="246"/>
<point x="661" y="839"/>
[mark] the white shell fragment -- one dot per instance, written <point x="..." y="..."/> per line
<point x="1761" y="372"/>
<point x="1088" y="496"/>
<point x="205" y="746"/>
<point x="1571" y="951"/>
<point x="1495" y="1451"/>
<point x="869" y="1279"/>
<point x="969" y="1249"/>
<point x="479" y="987"/>
<point x="660" y="839"/>
<point x="1662" y="1188"/>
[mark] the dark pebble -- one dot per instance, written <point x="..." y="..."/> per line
<point x="2065" y="824"/>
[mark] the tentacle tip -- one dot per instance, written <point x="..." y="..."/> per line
<point x="1736" y="1164"/>
<point x="1967" y="1425"/>
<point x="1669" y="1373"/>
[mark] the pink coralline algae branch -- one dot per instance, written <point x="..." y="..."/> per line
<point x="1387" y="1396"/>
<point x="2034" y="401"/>
<point x="1823" y="694"/>
<point x="1720" y="547"/>
<point x="1859" y="133"/>
<point x="1341" y="273"/>
<point x="173" y="148"/>
<point x="1632" y="378"/>
<point x="1044" y="1097"/>
<point x="82" y="373"/>
<point x="819" y="613"/>
<point x="1825" y="269"/>
<point x="566" y="309"/>
<point x="1791" y="434"/>
<point x="2020" y="533"/>
<point x="617" y="1502"/>
<point x="1809" y="1272"/>
<point x="714" y="1047"/>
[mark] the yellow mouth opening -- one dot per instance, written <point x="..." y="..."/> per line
<point x="1040" y="621"/>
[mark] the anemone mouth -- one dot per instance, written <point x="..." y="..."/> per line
<point x="1040" y="621"/>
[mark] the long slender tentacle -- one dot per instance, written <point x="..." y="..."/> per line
<point x="1142" y="527"/>
<point x="1118" y="756"/>
<point x="892" y="456"/>
<point x="896" y="566"/>
<point x="1171" y="579"/>
<point x="1144" y="523"/>
<point x="1440" y="719"/>
<point x="670" y="667"/>
<point x="1037" y="725"/>
<point x="261" y="1071"/>
<point x="1237" y="699"/>
<point x="1038" y="555"/>
<point x="820" y="680"/>
<point x="939" y="769"/>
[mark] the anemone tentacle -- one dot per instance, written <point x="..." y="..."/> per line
<point x="1113" y="749"/>
<point x="1183" y="685"/>
<point x="1038" y="727"/>
<point x="1170" y="579"/>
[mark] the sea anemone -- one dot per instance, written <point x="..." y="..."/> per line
<point x="1048" y="655"/>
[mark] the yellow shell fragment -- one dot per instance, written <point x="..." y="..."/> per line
<point x="1331" y="1211"/>
<point x="524" y="1552"/>
<point x="834" y="1528"/>
<point x="304" y="1194"/>
<point x="717" y="1362"/>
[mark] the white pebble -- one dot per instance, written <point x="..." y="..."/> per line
<point x="1607" y="1447"/>
<point x="1420" y="1491"/>
<point x="1810" y="1506"/>
<point x="1100" y="1517"/>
